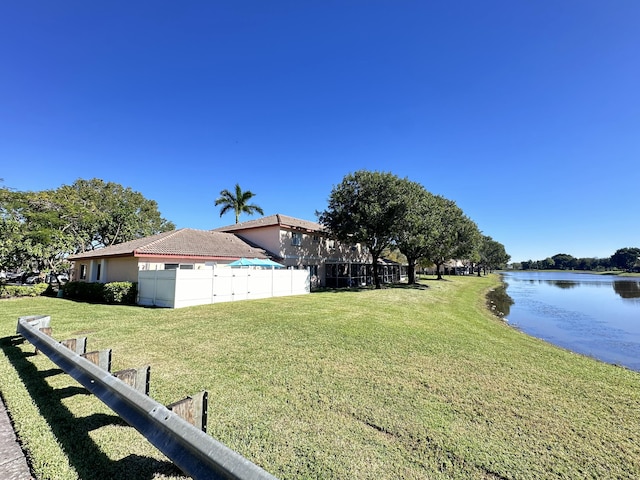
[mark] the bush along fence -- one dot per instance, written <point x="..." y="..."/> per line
<point x="177" y="430"/>
<point x="114" y="293"/>
<point x="122" y="293"/>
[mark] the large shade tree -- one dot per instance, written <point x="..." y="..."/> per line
<point x="35" y="234"/>
<point x="416" y="226"/>
<point x="110" y="213"/>
<point x="492" y="254"/>
<point x="564" y="261"/>
<point x="626" y="258"/>
<point x="40" y="229"/>
<point x="13" y="246"/>
<point x="365" y="208"/>
<point x="237" y="202"/>
<point x="453" y="235"/>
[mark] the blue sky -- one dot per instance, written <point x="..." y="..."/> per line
<point x="527" y="114"/>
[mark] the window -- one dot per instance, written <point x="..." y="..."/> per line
<point x="176" y="266"/>
<point x="296" y="239"/>
<point x="83" y="272"/>
<point x="316" y="239"/>
<point x="98" y="272"/>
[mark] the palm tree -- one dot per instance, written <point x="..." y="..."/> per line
<point x="237" y="202"/>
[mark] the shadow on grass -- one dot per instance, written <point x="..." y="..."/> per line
<point x="406" y="286"/>
<point x="72" y="433"/>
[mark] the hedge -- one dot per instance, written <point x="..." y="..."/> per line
<point x="9" y="291"/>
<point x="123" y="293"/>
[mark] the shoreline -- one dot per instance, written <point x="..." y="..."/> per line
<point x="613" y="273"/>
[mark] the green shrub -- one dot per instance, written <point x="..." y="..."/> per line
<point x="9" y="291"/>
<point x="121" y="292"/>
<point x="84" y="291"/>
<point x="93" y="292"/>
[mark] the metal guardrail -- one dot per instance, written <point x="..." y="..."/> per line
<point x="196" y="453"/>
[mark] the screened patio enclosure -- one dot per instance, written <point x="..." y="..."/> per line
<point x="342" y="275"/>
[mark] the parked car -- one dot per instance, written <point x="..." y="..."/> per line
<point x="59" y="278"/>
<point x="14" y="277"/>
<point x="32" y="278"/>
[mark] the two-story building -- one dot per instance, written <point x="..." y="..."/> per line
<point x="300" y="243"/>
<point x="292" y="242"/>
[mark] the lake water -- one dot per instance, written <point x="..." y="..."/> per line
<point x="596" y="315"/>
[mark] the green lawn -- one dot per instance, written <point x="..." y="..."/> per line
<point x="394" y="383"/>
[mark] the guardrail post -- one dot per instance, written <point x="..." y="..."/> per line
<point x="78" y="345"/>
<point x="102" y="358"/>
<point x="137" y="378"/>
<point x="46" y="331"/>
<point x="193" y="409"/>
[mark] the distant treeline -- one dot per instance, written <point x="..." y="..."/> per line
<point x="627" y="259"/>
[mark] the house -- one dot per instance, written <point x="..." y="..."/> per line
<point x="292" y="242"/>
<point x="451" y="267"/>
<point x="303" y="244"/>
<point x="185" y="249"/>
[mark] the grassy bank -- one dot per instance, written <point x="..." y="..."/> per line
<point x="621" y="274"/>
<point x="402" y="382"/>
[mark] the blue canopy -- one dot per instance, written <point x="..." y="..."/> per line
<point x="255" y="262"/>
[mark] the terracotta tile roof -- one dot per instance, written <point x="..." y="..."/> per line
<point x="183" y="242"/>
<point x="283" y="221"/>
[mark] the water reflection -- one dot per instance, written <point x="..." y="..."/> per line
<point x="555" y="283"/>
<point x="627" y="289"/>
<point x="499" y="301"/>
<point x="564" y="284"/>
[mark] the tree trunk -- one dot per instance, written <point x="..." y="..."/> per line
<point x="376" y="279"/>
<point x="438" y="265"/>
<point x="411" y="271"/>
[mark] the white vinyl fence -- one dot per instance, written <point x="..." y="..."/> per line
<point x="186" y="288"/>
